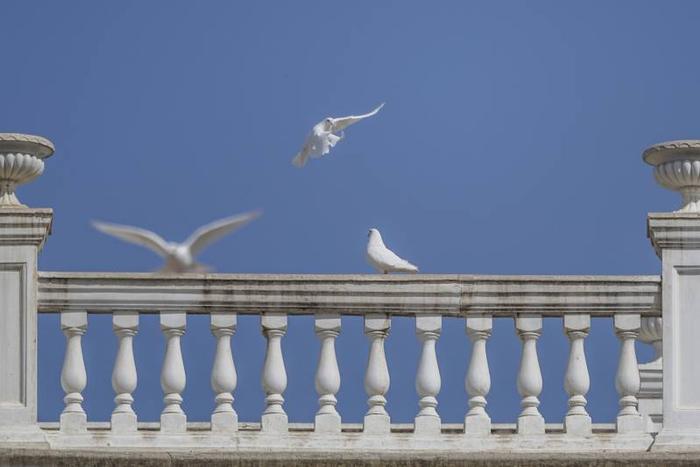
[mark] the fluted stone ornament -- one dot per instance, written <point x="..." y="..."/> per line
<point x="21" y="161"/>
<point x="677" y="167"/>
<point x="651" y="332"/>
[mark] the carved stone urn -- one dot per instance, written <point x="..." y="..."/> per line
<point x="677" y="167"/>
<point x="21" y="160"/>
<point x="651" y="332"/>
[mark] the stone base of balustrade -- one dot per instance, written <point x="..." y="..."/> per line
<point x="23" y="435"/>
<point x="677" y="441"/>
<point x="302" y="440"/>
<point x="201" y="447"/>
<point x="114" y="457"/>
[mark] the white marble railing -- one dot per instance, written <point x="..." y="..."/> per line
<point x="478" y="299"/>
<point x="662" y="310"/>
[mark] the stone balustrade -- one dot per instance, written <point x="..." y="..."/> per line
<point x="479" y="300"/>
<point x="659" y="403"/>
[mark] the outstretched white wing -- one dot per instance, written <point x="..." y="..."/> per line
<point x="210" y="232"/>
<point x="135" y="235"/>
<point x="341" y="123"/>
<point x="303" y="155"/>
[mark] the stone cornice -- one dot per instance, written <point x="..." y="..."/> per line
<point x="676" y="231"/>
<point x="448" y="295"/>
<point x="20" y="226"/>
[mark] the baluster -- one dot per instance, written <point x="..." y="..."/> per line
<point x="223" y="373"/>
<point x="73" y="376"/>
<point x="327" y="328"/>
<point x="124" y="377"/>
<point x="627" y="378"/>
<point x="428" y="381"/>
<point x="576" y="380"/>
<point x="274" y="377"/>
<point x="478" y="380"/>
<point x="530" y="421"/>
<point x="172" y="375"/>
<point x="377" y="380"/>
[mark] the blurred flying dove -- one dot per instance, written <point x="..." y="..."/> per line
<point x="322" y="137"/>
<point x="383" y="259"/>
<point x="179" y="257"/>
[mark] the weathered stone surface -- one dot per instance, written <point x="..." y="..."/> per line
<point x="358" y="294"/>
<point x="113" y="457"/>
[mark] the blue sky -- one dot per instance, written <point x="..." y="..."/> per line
<point x="510" y="143"/>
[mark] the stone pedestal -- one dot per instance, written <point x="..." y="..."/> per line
<point x="22" y="234"/>
<point x="676" y="239"/>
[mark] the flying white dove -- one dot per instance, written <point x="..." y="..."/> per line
<point x="179" y="257"/>
<point x="383" y="259"/>
<point x="322" y="137"/>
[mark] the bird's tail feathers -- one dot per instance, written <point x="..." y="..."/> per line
<point x="202" y="268"/>
<point x="299" y="160"/>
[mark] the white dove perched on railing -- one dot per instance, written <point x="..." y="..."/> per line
<point x="322" y="137"/>
<point x="179" y="257"/>
<point x="383" y="259"/>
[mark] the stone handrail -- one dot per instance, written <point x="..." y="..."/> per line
<point x="447" y="295"/>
